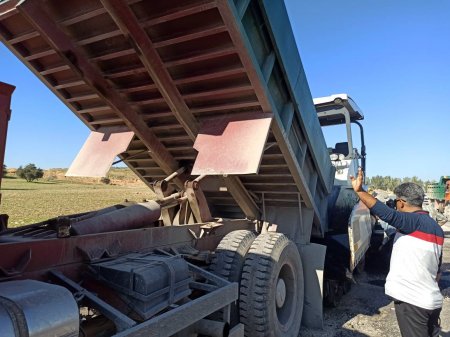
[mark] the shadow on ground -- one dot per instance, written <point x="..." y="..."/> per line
<point x="366" y="302"/>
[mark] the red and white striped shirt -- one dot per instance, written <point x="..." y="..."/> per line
<point x="416" y="257"/>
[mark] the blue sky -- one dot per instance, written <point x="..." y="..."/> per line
<point x="392" y="57"/>
<point x="42" y="130"/>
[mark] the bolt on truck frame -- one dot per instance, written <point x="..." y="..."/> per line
<point x="207" y="102"/>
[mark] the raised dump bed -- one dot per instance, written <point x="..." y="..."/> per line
<point x="161" y="68"/>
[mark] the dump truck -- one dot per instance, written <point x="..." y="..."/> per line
<point x="208" y="104"/>
<point x="438" y="195"/>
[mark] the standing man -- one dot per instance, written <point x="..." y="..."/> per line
<point x="416" y="259"/>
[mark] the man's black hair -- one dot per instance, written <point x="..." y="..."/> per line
<point x="412" y="193"/>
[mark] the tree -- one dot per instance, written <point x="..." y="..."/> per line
<point x="30" y="172"/>
<point x="105" y="180"/>
<point x="388" y="183"/>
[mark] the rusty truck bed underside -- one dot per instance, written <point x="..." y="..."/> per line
<point x="161" y="68"/>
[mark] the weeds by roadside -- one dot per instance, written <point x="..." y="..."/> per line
<point x="29" y="202"/>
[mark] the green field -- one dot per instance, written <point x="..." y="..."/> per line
<point x="36" y="201"/>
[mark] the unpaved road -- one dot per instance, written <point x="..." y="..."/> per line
<point x="366" y="310"/>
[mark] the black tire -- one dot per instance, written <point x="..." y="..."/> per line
<point x="347" y="286"/>
<point x="229" y="256"/>
<point x="228" y="261"/>
<point x="361" y="266"/>
<point x="272" y="265"/>
<point x="334" y="290"/>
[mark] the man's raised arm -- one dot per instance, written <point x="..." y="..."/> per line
<point x="365" y="197"/>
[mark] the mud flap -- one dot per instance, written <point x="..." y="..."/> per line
<point x="359" y="232"/>
<point x="98" y="152"/>
<point x="313" y="260"/>
<point x="239" y="139"/>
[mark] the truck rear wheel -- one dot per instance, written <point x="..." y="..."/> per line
<point x="333" y="292"/>
<point x="229" y="258"/>
<point x="271" y="292"/>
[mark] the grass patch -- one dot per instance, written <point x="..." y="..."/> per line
<point x="27" y="203"/>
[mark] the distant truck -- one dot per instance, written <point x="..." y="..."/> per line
<point x="438" y="195"/>
<point x="206" y="102"/>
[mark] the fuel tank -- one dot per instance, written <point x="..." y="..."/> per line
<point x="130" y="217"/>
<point x="37" y="309"/>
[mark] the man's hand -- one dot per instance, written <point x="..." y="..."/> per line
<point x="365" y="197"/>
<point x="358" y="181"/>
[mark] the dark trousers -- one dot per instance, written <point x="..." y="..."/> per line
<point x="417" y="322"/>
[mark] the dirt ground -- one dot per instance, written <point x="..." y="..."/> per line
<point x="366" y="311"/>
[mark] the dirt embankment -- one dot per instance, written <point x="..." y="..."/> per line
<point x="116" y="176"/>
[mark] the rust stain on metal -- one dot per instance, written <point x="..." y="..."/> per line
<point x="6" y="91"/>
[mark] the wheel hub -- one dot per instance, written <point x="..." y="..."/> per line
<point x="281" y="293"/>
